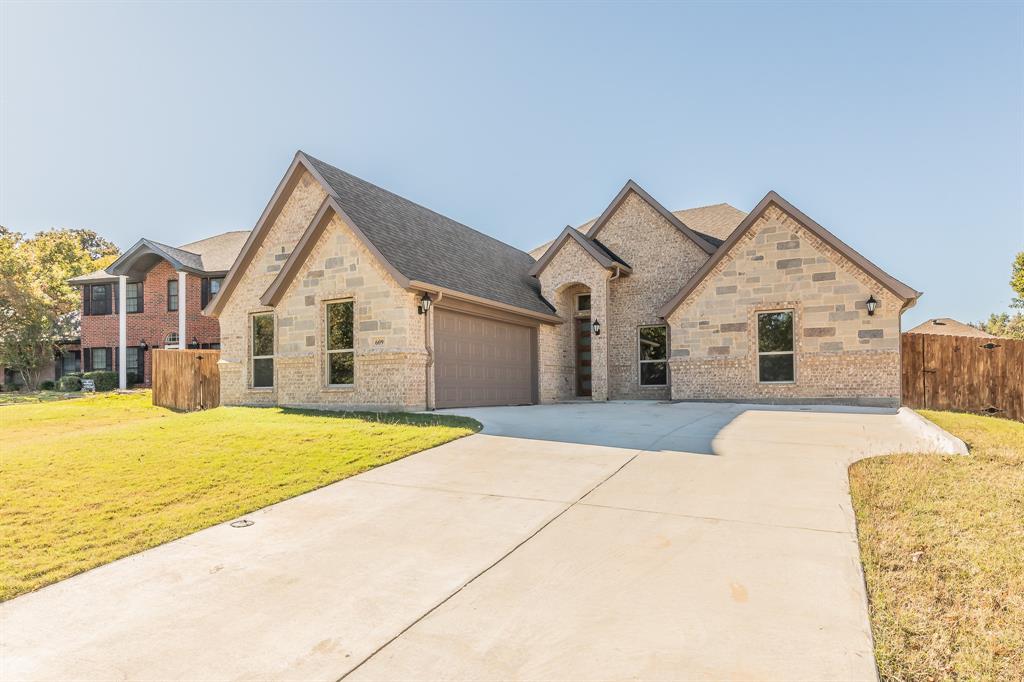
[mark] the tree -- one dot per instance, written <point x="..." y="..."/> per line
<point x="37" y="305"/>
<point x="1017" y="281"/>
<point x="1004" y="325"/>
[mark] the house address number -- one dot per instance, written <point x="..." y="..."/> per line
<point x="378" y="341"/>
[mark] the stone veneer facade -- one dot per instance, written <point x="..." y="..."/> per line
<point x="390" y="350"/>
<point x="841" y="353"/>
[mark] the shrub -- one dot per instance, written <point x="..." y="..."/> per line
<point x="70" y="382"/>
<point x="105" y="381"/>
<point x="46" y="386"/>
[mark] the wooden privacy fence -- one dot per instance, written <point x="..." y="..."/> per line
<point x="966" y="373"/>
<point x="186" y="380"/>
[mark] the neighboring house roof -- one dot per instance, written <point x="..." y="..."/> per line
<point x="713" y="223"/>
<point x="212" y="255"/>
<point x="947" y="326"/>
<point x="598" y="251"/>
<point x="898" y="288"/>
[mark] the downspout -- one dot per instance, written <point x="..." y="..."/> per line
<point x="618" y="271"/>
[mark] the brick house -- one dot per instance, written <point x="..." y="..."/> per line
<point x="165" y="291"/>
<point x="348" y="296"/>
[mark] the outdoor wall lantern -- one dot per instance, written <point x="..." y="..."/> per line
<point x="143" y="346"/>
<point x="424" y="304"/>
<point x="871" y="304"/>
<point x="194" y="344"/>
<point x="597" y="328"/>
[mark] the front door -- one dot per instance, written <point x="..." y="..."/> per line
<point x="583" y="365"/>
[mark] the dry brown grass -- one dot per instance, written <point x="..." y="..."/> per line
<point x="942" y="542"/>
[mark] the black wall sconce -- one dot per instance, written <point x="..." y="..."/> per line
<point x="425" y="302"/>
<point x="143" y="346"/>
<point x="597" y="328"/>
<point x="871" y="304"/>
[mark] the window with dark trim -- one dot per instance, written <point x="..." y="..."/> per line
<point x="340" y="344"/>
<point x="101" y="360"/>
<point x="172" y="295"/>
<point x="653" y="354"/>
<point x="71" y="362"/>
<point x="583" y="303"/>
<point x="134" y="365"/>
<point x="775" y="360"/>
<point x="262" y="348"/>
<point x="98" y="300"/>
<point x="133" y="297"/>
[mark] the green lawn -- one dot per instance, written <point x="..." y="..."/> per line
<point x="942" y="543"/>
<point x="84" y="482"/>
<point x="23" y="397"/>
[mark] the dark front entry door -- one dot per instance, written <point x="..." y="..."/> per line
<point x="583" y="364"/>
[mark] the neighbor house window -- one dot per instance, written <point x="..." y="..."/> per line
<point x="172" y="295"/>
<point x="654" y="356"/>
<point x="583" y="303"/>
<point x="69" y="362"/>
<point x="262" y="350"/>
<point x="171" y="340"/>
<point x="98" y="299"/>
<point x="210" y="288"/>
<point x="339" y="345"/>
<point x="133" y="297"/>
<point x="775" y="347"/>
<point x="99" y="359"/>
<point x="133" y="365"/>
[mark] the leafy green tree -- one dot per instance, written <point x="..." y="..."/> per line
<point x="37" y="305"/>
<point x="1017" y="281"/>
<point x="1004" y="325"/>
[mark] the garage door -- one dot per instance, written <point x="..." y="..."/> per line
<point x="478" y="361"/>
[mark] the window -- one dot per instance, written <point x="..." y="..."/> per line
<point x="99" y="359"/>
<point x="171" y="340"/>
<point x="654" y="356"/>
<point x="133" y="300"/>
<point x="98" y="299"/>
<point x="262" y="350"/>
<point x="582" y="303"/>
<point x="775" y="347"/>
<point x="210" y="288"/>
<point x="339" y="344"/>
<point x="69" y="362"/>
<point x="172" y="295"/>
<point x="134" y="365"/>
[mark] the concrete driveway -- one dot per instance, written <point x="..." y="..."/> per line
<point x="579" y="541"/>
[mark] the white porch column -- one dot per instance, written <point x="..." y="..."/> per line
<point x="122" y="332"/>
<point x="182" y="340"/>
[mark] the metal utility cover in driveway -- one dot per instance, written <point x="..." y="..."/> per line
<point x="584" y="541"/>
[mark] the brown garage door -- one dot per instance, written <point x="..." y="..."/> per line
<point x="479" y="361"/>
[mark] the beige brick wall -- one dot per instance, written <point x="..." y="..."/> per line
<point x="572" y="270"/>
<point x="390" y="353"/>
<point x="662" y="259"/>
<point x="842" y="353"/>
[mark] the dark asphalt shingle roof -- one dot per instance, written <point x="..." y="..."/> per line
<point x="431" y="248"/>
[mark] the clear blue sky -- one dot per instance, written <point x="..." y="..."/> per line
<point x="898" y="127"/>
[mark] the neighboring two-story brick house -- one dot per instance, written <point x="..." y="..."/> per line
<point x="348" y="296"/>
<point x="165" y="290"/>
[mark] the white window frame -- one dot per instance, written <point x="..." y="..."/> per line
<point x="167" y="340"/>
<point x="252" y="352"/>
<point x="757" y="343"/>
<point x="329" y="351"/>
<point x="640" y="362"/>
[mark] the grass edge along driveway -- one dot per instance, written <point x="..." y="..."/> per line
<point x="85" y="482"/>
<point x="942" y="545"/>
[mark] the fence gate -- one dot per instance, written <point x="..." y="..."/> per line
<point x="186" y="380"/>
<point x="965" y="373"/>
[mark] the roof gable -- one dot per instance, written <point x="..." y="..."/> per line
<point x="633" y="187"/>
<point x="898" y="288"/>
<point x="594" y="248"/>
<point x="417" y="245"/>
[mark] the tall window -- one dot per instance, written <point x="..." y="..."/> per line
<point x="99" y="359"/>
<point x="133" y="365"/>
<point x="99" y="299"/>
<point x="69" y="362"/>
<point x="583" y="303"/>
<point x="653" y="356"/>
<point x="172" y="295"/>
<point x="775" y="347"/>
<point x="133" y="297"/>
<point x="210" y="288"/>
<point x="339" y="344"/>
<point x="262" y="350"/>
<point x="215" y="284"/>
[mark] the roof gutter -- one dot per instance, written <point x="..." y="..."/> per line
<point x="524" y="312"/>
